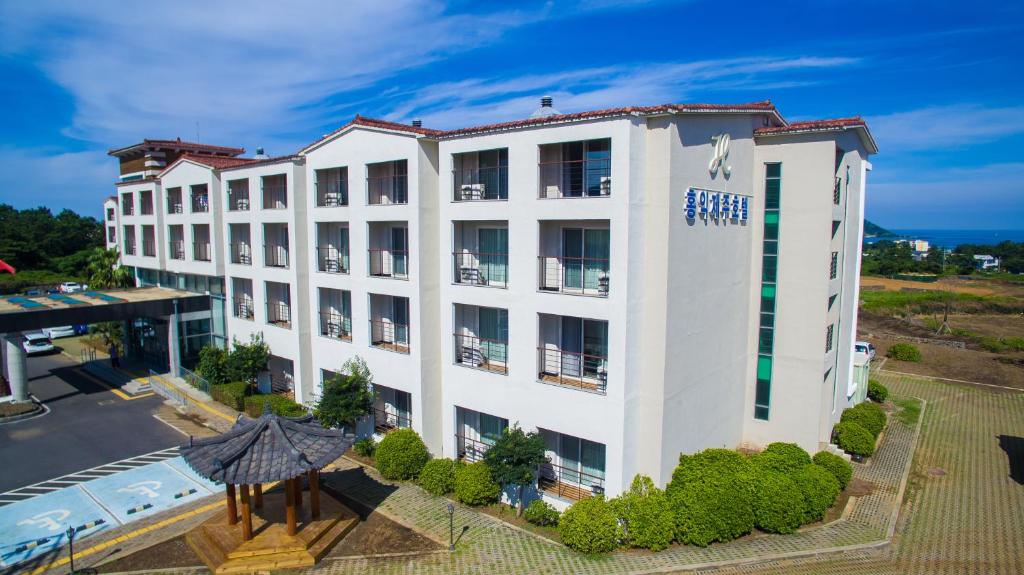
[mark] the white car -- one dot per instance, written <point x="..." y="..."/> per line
<point x="864" y="347"/>
<point x="71" y="287"/>
<point x="60" y="331"/>
<point x="37" y="342"/>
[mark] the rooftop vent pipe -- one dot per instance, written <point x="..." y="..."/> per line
<point x="545" y="109"/>
<point x="417" y="123"/>
<point x="260" y="155"/>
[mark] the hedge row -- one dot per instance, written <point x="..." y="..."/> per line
<point x="859" y="427"/>
<point x="279" y="404"/>
<point x="230" y="394"/>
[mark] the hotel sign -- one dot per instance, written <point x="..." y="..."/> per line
<point x="718" y="206"/>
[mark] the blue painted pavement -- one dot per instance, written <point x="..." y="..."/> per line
<point x="36" y="526"/>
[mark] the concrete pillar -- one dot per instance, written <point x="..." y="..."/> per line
<point x="173" y="353"/>
<point x="17" y="368"/>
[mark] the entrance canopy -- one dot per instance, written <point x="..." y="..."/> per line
<point x="23" y="313"/>
<point x="270" y="448"/>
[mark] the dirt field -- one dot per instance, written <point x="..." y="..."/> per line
<point x="954" y="284"/>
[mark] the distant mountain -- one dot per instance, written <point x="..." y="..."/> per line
<point x="873" y="230"/>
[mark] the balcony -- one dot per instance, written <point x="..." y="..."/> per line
<point x="470" y="450"/>
<point x="201" y="251"/>
<point x="241" y="254"/>
<point x="275" y="256"/>
<point x="279" y="313"/>
<point x="385" y="421"/>
<point x="200" y="203"/>
<point x="331" y="260"/>
<point x="387" y="183"/>
<point x="575" y="469"/>
<point x="127" y="208"/>
<point x="480" y="256"/>
<point x="129" y="247"/>
<point x="146" y="203"/>
<point x="275" y="192"/>
<point x="575" y="169"/>
<point x="389" y="336"/>
<point x="335" y="325"/>
<point x="568" y="483"/>
<point x="238" y="195"/>
<point x="476" y="432"/>
<point x="332" y="247"/>
<point x="388" y="263"/>
<point x="392" y="409"/>
<point x="573" y="352"/>
<point x="481" y="338"/>
<point x="331" y="188"/>
<point x="243" y="308"/>
<point x="578" y="263"/>
<point x="149" y="248"/>
<point x="176" y="250"/>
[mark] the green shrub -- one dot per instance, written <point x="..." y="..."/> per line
<point x="474" y="485"/>
<point x="1014" y="343"/>
<point x="365" y="447"/>
<point x="710" y="497"/>
<point x="877" y="392"/>
<point x="868" y="415"/>
<point x="645" y="514"/>
<point x="212" y="365"/>
<point x="279" y="404"/>
<point x="778" y="502"/>
<point x="541" y="513"/>
<point x="783" y="457"/>
<point x="993" y="344"/>
<point x="853" y="438"/>
<point x="230" y="394"/>
<point x="401" y="455"/>
<point x="837" y="466"/>
<point x="590" y="526"/>
<point x="438" y="476"/>
<point x="904" y="352"/>
<point x="819" y="489"/>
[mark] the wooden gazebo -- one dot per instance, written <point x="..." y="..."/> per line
<point x="256" y="452"/>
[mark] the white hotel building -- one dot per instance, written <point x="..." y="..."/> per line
<point x="634" y="283"/>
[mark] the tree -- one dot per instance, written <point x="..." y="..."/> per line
<point x="112" y="333"/>
<point x="247" y="360"/>
<point x="513" y="460"/>
<point x="213" y="365"/>
<point x="346" y="396"/>
<point x="104" y="271"/>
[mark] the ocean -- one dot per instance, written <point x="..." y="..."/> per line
<point x="950" y="239"/>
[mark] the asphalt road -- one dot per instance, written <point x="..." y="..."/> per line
<point x="87" y="426"/>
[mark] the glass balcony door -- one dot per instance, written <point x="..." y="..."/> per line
<point x="584" y="347"/>
<point x="585" y="254"/>
<point x="493" y="246"/>
<point x="493" y="325"/>
<point x="400" y="251"/>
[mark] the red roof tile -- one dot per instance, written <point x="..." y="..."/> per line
<point x="254" y="162"/>
<point x="814" y="126"/>
<point x="215" y="162"/>
<point x="373" y="123"/>
<point x="178" y="145"/>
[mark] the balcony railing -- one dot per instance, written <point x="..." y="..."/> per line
<point x="576" y="179"/>
<point x="127" y="209"/>
<point x="149" y="248"/>
<point x="571" y="275"/>
<point x="176" y="249"/>
<point x="568" y="483"/>
<point x="275" y="256"/>
<point x="389" y="336"/>
<point x="480" y="184"/>
<point x="331" y="260"/>
<point x="389" y="263"/>
<point x="335" y="325"/>
<point x="129" y="247"/>
<point x="201" y="251"/>
<point x="200" y="203"/>
<point x="572" y="369"/>
<point x="275" y="197"/>
<point x="480" y="269"/>
<point x="146" y="209"/>
<point x="243" y="307"/>
<point x="174" y="207"/>
<point x="279" y="313"/>
<point x="385" y="421"/>
<point x="470" y="450"/>
<point x="383" y="190"/>
<point x="481" y="353"/>
<point x="238" y="201"/>
<point x="241" y="253"/>
<point x="332" y="195"/>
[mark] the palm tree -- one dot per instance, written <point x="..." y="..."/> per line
<point x="105" y="270"/>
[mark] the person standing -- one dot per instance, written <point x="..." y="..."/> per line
<point x="115" y="358"/>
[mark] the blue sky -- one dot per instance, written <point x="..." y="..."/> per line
<point x="939" y="83"/>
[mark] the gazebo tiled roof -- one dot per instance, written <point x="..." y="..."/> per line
<point x="269" y="448"/>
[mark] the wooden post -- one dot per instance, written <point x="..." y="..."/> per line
<point x="314" y="493"/>
<point x="257" y="491"/>
<point x="289" y="495"/>
<point x="232" y="509"/>
<point x="246" y="514"/>
<point x="298" y="494"/>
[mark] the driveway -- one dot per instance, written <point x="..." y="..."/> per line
<point x="87" y="426"/>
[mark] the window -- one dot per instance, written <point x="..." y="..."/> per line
<point x="834" y="267"/>
<point x="828" y="337"/>
<point x="769" y="279"/>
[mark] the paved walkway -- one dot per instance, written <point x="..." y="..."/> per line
<point x="491" y="547"/>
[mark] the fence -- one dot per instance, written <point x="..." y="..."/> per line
<point x="195" y="380"/>
<point x="166" y="391"/>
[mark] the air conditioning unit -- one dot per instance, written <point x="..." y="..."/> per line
<point x="606" y="185"/>
<point x="472" y="191"/>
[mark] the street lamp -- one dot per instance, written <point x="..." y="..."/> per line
<point x="451" y="527"/>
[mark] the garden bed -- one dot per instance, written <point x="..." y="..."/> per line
<point x="16" y="409"/>
<point x="507" y="513"/>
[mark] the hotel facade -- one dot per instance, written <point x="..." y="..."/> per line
<point x="634" y="283"/>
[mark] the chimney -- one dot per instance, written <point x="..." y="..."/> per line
<point x="546" y="108"/>
<point x="260" y="154"/>
<point x="417" y="123"/>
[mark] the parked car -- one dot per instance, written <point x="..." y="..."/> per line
<point x="71" y="287"/>
<point x="864" y="347"/>
<point x="60" y="331"/>
<point x="34" y="292"/>
<point x="37" y="342"/>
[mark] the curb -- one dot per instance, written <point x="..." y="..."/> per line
<point x="43" y="410"/>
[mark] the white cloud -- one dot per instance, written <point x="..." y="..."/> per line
<point x="477" y="100"/>
<point x="982" y="197"/>
<point x="953" y="126"/>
